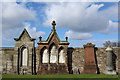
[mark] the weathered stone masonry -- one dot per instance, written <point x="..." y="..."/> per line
<point x="75" y="59"/>
<point x="53" y="56"/>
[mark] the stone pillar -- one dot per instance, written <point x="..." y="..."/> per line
<point x="89" y="62"/>
<point x="29" y="67"/>
<point x="57" y="57"/>
<point x="66" y="57"/>
<point x="49" y="59"/>
<point x="109" y="63"/>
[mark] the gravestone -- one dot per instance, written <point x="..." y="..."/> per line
<point x="76" y="71"/>
<point x="90" y="61"/>
<point x="109" y="63"/>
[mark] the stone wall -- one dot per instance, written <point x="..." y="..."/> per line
<point x="76" y="59"/>
<point x="1" y="62"/>
<point x="119" y="60"/>
<point x="7" y="59"/>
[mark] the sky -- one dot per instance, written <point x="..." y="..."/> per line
<point x="81" y="22"/>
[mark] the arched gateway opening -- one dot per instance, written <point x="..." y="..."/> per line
<point x="45" y="57"/>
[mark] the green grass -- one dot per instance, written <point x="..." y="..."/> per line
<point x="0" y="76"/>
<point x="61" y="76"/>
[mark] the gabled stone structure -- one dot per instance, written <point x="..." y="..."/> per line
<point x="52" y="54"/>
<point x="24" y="56"/>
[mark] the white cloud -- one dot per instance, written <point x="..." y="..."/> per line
<point x="10" y="34"/>
<point x="33" y="32"/>
<point x="0" y="25"/>
<point x="81" y="17"/>
<point x="71" y="0"/>
<point x="78" y="17"/>
<point x="78" y="36"/>
<point x="113" y="24"/>
<point x="112" y="28"/>
<point x="14" y="14"/>
<point x="62" y="0"/>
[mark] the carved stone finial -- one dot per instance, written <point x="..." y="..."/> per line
<point x="40" y="38"/>
<point x="66" y="38"/>
<point x="109" y="48"/>
<point x="53" y="25"/>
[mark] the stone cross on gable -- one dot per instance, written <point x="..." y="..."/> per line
<point x="53" y="25"/>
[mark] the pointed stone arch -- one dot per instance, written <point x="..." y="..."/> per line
<point x="50" y="46"/>
<point x="53" y="53"/>
<point x="61" y="55"/>
<point x="23" y="56"/>
<point x="45" y="55"/>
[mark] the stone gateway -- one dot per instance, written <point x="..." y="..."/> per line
<point x="53" y="56"/>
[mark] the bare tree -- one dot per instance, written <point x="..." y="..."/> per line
<point x="112" y="44"/>
<point x="107" y="43"/>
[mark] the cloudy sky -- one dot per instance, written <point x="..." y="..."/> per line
<point x="82" y="22"/>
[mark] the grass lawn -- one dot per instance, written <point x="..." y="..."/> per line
<point x="60" y="76"/>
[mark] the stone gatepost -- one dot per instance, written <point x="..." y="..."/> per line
<point x="90" y="61"/>
<point x="109" y="63"/>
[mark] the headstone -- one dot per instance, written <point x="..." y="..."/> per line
<point x="76" y="71"/>
<point x="109" y="62"/>
<point x="90" y="61"/>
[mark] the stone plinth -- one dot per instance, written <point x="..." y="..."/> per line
<point x="48" y="69"/>
<point x="90" y="62"/>
<point x="109" y="63"/>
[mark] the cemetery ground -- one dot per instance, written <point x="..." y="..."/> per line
<point x="60" y="76"/>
